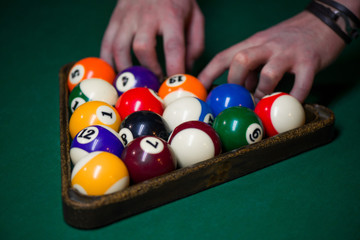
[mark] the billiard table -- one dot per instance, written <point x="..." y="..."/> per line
<point x="314" y="194"/>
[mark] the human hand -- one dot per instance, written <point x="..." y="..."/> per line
<point x="301" y="45"/>
<point x="136" y="23"/>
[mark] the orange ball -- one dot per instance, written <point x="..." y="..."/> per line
<point x="181" y="85"/>
<point x="94" y="113"/>
<point x="99" y="173"/>
<point x="90" y="67"/>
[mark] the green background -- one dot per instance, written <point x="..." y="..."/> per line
<point x="315" y="195"/>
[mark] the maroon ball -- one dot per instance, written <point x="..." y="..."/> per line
<point x="148" y="157"/>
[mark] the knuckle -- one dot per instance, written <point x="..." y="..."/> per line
<point x="140" y="47"/>
<point x="176" y="10"/>
<point x="242" y="58"/>
<point x="270" y="75"/>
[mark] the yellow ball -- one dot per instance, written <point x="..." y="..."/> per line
<point x="99" y="173"/>
<point x="94" y="113"/>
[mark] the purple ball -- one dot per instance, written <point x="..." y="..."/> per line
<point x="95" y="138"/>
<point x="136" y="76"/>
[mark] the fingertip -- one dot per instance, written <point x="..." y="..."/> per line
<point x="299" y="95"/>
<point x="106" y="55"/>
<point x="301" y="89"/>
<point x="266" y="86"/>
<point x="270" y="76"/>
<point x="258" y="95"/>
<point x="304" y="78"/>
<point x="205" y="80"/>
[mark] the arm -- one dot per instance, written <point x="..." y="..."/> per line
<point x="302" y="45"/>
<point x="135" y="24"/>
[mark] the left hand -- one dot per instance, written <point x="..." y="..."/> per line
<point x="301" y="45"/>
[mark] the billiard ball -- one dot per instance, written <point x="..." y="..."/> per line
<point x="147" y="157"/>
<point x="136" y="76"/>
<point x="229" y="95"/>
<point x="194" y="142"/>
<point x="138" y="99"/>
<point x="280" y="112"/>
<point x="95" y="138"/>
<point x="94" y="113"/>
<point x="90" y="67"/>
<point x="143" y="123"/>
<point x="92" y="89"/>
<point x="181" y="85"/>
<point x="187" y="109"/>
<point x="237" y="127"/>
<point x="99" y="173"/>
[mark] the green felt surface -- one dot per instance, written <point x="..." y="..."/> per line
<point x="315" y="195"/>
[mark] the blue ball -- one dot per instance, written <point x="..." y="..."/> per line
<point x="95" y="138"/>
<point x="229" y="95"/>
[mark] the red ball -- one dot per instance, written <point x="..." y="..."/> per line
<point x="139" y="99"/>
<point x="148" y="157"/>
<point x="280" y="112"/>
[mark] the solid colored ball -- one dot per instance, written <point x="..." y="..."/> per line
<point x="136" y="76"/>
<point x="181" y="85"/>
<point x="99" y="173"/>
<point x="187" y="109"/>
<point x="194" y="142"/>
<point x="92" y="89"/>
<point x="94" y="113"/>
<point x="148" y="157"/>
<point x="95" y="138"/>
<point x="237" y="127"/>
<point x="90" y="67"/>
<point x="280" y="112"/>
<point x="229" y="95"/>
<point x="138" y="99"/>
<point x="143" y="123"/>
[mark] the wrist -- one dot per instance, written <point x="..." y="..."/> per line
<point x="338" y="17"/>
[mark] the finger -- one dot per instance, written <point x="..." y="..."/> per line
<point x="220" y="63"/>
<point x="144" y="47"/>
<point x="108" y="39"/>
<point x="217" y="66"/>
<point x="121" y="47"/>
<point x="213" y="70"/>
<point x="246" y="61"/>
<point x="251" y="81"/>
<point x="270" y="76"/>
<point x="174" y="48"/>
<point x="304" y="77"/>
<point x="195" y="37"/>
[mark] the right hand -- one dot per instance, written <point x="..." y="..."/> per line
<point x="135" y="24"/>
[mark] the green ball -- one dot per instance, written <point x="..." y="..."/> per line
<point x="92" y="89"/>
<point x="77" y="98"/>
<point x="237" y="127"/>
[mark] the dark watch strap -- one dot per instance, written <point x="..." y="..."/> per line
<point x="329" y="18"/>
<point x="344" y="10"/>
